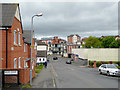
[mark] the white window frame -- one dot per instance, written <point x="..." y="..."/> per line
<point x="15" y="62"/>
<point x="19" y="62"/>
<point x="24" y="64"/>
<point x="19" y="39"/>
<point x="18" y="29"/>
<point x="15" y="37"/>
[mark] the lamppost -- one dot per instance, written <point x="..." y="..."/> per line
<point x="38" y="15"/>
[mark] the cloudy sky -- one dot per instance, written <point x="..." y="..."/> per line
<point x="65" y="18"/>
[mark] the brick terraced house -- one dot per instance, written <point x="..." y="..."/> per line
<point x="14" y="46"/>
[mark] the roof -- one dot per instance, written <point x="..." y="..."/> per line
<point x="84" y="38"/>
<point x="8" y="13"/>
<point x="50" y="38"/>
<point x="40" y="42"/>
<point x="73" y="35"/>
<point x="27" y="36"/>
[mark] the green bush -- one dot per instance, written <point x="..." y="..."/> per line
<point x="91" y="63"/>
<point x="26" y="86"/>
<point x="98" y="63"/>
<point x="39" y="67"/>
<point x="37" y="71"/>
<point x="116" y="62"/>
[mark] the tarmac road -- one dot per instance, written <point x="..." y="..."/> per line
<point x="62" y="75"/>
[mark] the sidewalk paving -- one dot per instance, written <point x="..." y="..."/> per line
<point x="44" y="79"/>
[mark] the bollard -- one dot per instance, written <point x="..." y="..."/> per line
<point x="94" y="64"/>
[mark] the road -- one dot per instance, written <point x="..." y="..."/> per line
<point x="62" y="75"/>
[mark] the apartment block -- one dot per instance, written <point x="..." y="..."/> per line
<point x="55" y="45"/>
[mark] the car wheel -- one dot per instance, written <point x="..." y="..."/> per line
<point x="100" y="72"/>
<point x="108" y="73"/>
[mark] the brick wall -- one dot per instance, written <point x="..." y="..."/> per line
<point x="24" y="76"/>
<point x="3" y="48"/>
<point x="15" y="51"/>
<point x="18" y="51"/>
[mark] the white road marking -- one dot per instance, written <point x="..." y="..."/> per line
<point x="53" y="83"/>
<point x="53" y="70"/>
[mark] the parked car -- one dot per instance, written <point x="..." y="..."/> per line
<point x="68" y="62"/>
<point x="55" y="58"/>
<point x="109" y="69"/>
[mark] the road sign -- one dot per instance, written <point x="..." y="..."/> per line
<point x="10" y="72"/>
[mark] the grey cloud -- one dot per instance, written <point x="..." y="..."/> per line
<point x="63" y="19"/>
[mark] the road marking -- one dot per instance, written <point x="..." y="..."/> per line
<point x="53" y="83"/>
<point x="53" y="70"/>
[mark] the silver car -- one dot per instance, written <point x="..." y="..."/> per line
<point x="109" y="69"/>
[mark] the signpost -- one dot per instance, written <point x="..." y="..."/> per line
<point x="10" y="72"/>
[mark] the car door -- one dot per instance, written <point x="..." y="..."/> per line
<point x="104" y="69"/>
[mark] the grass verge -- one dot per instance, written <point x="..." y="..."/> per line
<point x="26" y="86"/>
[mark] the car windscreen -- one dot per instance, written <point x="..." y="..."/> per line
<point x="111" y="66"/>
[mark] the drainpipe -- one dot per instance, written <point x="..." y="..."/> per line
<point x="6" y="47"/>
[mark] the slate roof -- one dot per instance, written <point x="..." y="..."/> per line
<point x="8" y="13"/>
<point x="40" y="42"/>
<point x="27" y="36"/>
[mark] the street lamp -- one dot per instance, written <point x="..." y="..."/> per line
<point x="38" y="15"/>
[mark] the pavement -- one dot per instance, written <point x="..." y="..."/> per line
<point x="61" y="75"/>
<point x="44" y="79"/>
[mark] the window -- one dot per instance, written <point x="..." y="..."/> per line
<point x="19" y="39"/>
<point x="40" y="59"/>
<point x="15" y="37"/>
<point x="15" y="63"/>
<point x="19" y="62"/>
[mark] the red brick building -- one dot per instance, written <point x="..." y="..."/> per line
<point x="14" y="49"/>
<point x="55" y="45"/>
<point x="73" y="41"/>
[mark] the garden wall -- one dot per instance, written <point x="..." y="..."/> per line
<point x="99" y="54"/>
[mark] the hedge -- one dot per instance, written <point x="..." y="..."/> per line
<point x="98" y="63"/>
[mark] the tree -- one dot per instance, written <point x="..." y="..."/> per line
<point x="107" y="41"/>
<point x="114" y="44"/>
<point x="118" y="42"/>
<point x="92" y="42"/>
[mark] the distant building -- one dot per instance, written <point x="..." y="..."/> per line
<point x="55" y="45"/>
<point x="41" y="52"/>
<point x="73" y="41"/>
<point x="83" y="39"/>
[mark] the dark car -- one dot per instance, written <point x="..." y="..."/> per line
<point x="55" y="58"/>
<point x="68" y="62"/>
